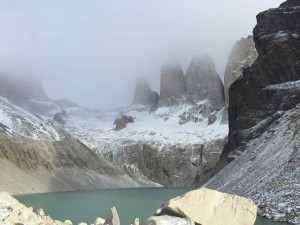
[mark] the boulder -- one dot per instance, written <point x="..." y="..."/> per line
<point x="122" y="121"/>
<point x="168" y="220"/>
<point x="212" y="118"/>
<point x="60" y="117"/>
<point x="136" y="221"/>
<point x="209" y="207"/>
<point x="40" y="212"/>
<point x="68" y="222"/>
<point x="112" y="218"/>
<point x="172" y="83"/>
<point x="99" y="221"/>
<point x="203" y="82"/>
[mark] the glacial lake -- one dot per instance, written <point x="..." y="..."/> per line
<point x="86" y="206"/>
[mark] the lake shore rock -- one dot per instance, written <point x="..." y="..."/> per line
<point x="113" y="217"/>
<point x="202" y="206"/>
<point x="170" y="220"/>
<point x="209" y="207"/>
<point x="13" y="212"/>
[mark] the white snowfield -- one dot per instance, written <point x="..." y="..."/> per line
<point x="161" y="126"/>
<point x="94" y="128"/>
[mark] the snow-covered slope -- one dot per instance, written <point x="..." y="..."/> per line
<point x="161" y="126"/>
<point x="156" y="143"/>
<point x="44" y="157"/>
<point x="19" y="122"/>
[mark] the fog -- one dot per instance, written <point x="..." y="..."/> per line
<point x="92" y="51"/>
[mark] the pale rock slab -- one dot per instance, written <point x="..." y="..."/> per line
<point x="209" y="207"/>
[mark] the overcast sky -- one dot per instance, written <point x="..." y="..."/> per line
<point x="91" y="51"/>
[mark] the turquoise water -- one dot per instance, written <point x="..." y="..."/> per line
<point x="86" y="206"/>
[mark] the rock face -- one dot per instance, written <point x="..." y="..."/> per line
<point x="242" y="55"/>
<point x="143" y="94"/>
<point x="172" y="83"/>
<point x="168" y="165"/>
<point x="209" y="207"/>
<point x="170" y="220"/>
<point x="203" y="82"/>
<point x="264" y="120"/>
<point x="255" y="97"/>
<point x="122" y="121"/>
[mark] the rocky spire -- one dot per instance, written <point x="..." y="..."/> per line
<point x="144" y="95"/>
<point x="203" y="82"/>
<point x="172" y="83"/>
<point x="242" y="55"/>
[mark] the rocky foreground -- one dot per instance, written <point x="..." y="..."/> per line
<point x="202" y="206"/>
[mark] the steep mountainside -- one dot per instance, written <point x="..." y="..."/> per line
<point x="264" y="123"/>
<point x="28" y="166"/>
<point x="242" y="55"/>
<point x="38" y="156"/>
<point x="19" y="122"/>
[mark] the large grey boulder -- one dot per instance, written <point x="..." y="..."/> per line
<point x="203" y="82"/>
<point x="168" y="220"/>
<point x="209" y="207"/>
<point x="242" y="55"/>
<point x="172" y="83"/>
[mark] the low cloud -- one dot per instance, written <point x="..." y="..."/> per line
<point x="91" y="52"/>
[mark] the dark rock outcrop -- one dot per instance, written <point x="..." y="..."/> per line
<point x="144" y="96"/>
<point x="172" y="83"/>
<point x="203" y="82"/>
<point x="60" y="117"/>
<point x="264" y="122"/>
<point x="122" y="122"/>
<point x="277" y="39"/>
<point x="242" y="55"/>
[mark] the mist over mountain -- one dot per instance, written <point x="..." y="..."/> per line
<point x="92" y="53"/>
